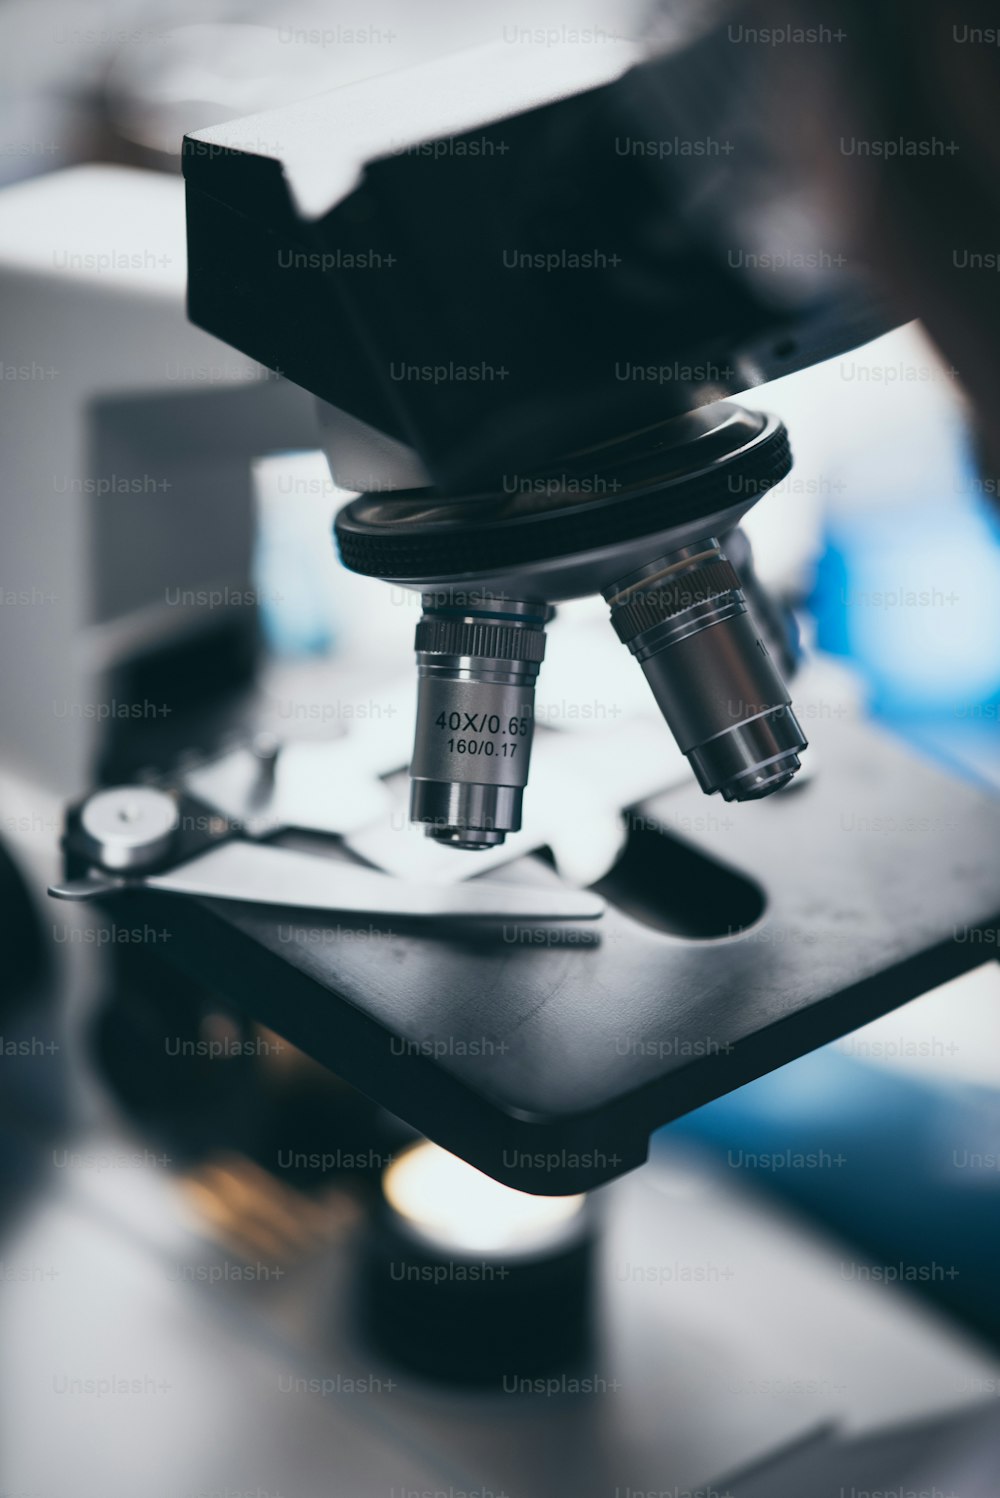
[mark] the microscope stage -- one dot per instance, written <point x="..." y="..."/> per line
<point x="546" y="1055"/>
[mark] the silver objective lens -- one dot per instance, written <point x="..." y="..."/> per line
<point x="477" y="666"/>
<point x="685" y="620"/>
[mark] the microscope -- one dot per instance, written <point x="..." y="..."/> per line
<point x="525" y="300"/>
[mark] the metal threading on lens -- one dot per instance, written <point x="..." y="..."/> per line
<point x="477" y="664"/>
<point x="685" y="619"/>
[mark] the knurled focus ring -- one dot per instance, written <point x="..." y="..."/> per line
<point x="642" y="610"/>
<point x="471" y="637"/>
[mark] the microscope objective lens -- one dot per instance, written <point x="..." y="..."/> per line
<point x="477" y="667"/>
<point x="685" y="619"/>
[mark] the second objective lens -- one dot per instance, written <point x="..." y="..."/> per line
<point x="685" y="620"/>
